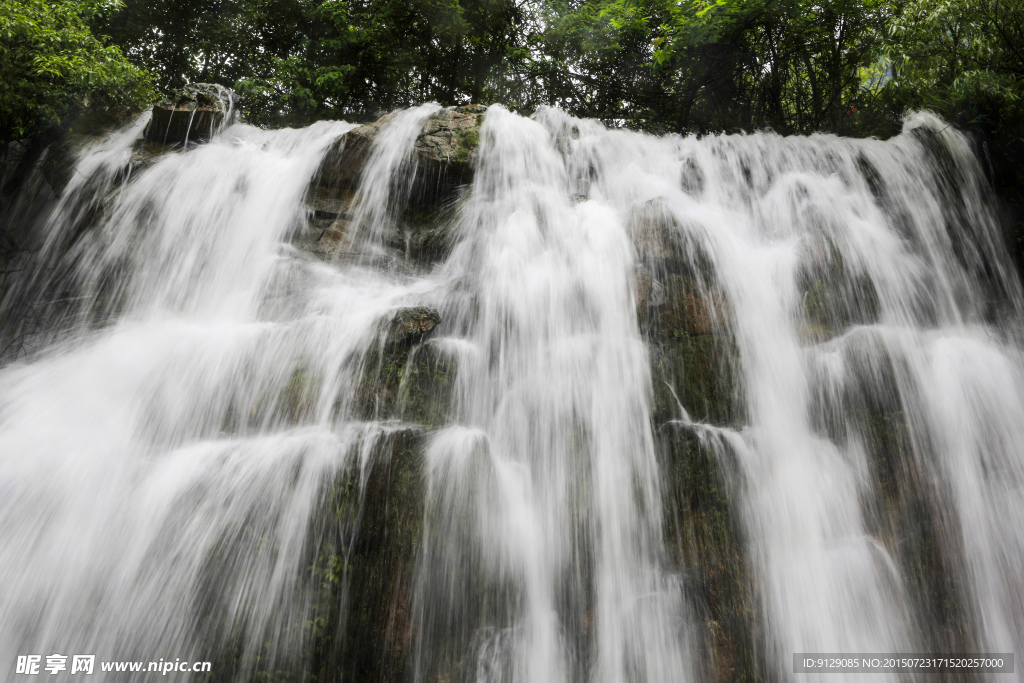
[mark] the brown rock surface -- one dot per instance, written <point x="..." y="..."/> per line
<point x="191" y="114"/>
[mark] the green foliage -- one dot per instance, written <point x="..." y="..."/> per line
<point x="846" y="66"/>
<point x="793" y="65"/>
<point x="965" y="60"/>
<point x="53" y="67"/>
<point x="294" y="61"/>
<point x="947" y="52"/>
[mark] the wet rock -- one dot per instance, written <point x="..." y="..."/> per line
<point x="705" y="542"/>
<point x="450" y="139"/>
<point x="445" y="150"/>
<point x="685" y="317"/>
<point x="402" y="377"/>
<point x="361" y="561"/>
<point x="414" y="387"/>
<point x="836" y="297"/>
<point x="297" y="399"/>
<point x="190" y="114"/>
<point x="328" y="232"/>
<point x="145" y="153"/>
<point x="327" y="239"/>
<point x="691" y="178"/>
<point x="379" y="617"/>
<point x="425" y="392"/>
<point x="664" y="245"/>
<point x="343" y="163"/>
<point x="411" y="325"/>
<point x="699" y="373"/>
<point x="908" y="512"/>
<point x="327" y="204"/>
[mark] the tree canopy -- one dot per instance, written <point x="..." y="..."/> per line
<point x="53" y="66"/>
<point x="847" y="66"/>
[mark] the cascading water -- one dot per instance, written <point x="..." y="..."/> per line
<point x="664" y="409"/>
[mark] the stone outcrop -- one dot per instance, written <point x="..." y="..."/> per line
<point x="447" y="145"/>
<point x="344" y="161"/>
<point x="191" y="114"/>
<point x="445" y="154"/>
<point x="412" y="325"/>
<point x="450" y="139"/>
<point x="404" y="378"/>
<point x="685" y="317"/>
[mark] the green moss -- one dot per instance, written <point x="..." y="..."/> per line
<point x="466" y="141"/>
<point x="469" y="138"/>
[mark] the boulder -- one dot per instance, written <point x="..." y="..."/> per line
<point x="450" y="139"/>
<point x="411" y="325"/>
<point x="344" y="161"/>
<point x="445" y="154"/>
<point x="447" y="146"/>
<point x="193" y="113"/>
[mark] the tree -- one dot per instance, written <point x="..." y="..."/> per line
<point x="53" y="67"/>
<point x="300" y="60"/>
<point x="951" y="56"/>
<point x="966" y="61"/>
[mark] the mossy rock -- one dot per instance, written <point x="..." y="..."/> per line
<point x="191" y="114"/>
<point x="694" y="358"/>
<point x="444" y="155"/>
<point x="450" y="139"/>
<point x="405" y="378"/>
<point x="378" y="596"/>
<point x="908" y="509"/>
<point x="835" y="298"/>
<point x="360" y="576"/>
<point x="444" y="151"/>
<point x="297" y="400"/>
<point x="705" y="543"/>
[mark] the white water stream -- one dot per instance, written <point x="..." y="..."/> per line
<point x="157" y="500"/>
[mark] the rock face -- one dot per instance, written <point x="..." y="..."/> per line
<point x="447" y="146"/>
<point x="412" y="325"/>
<point x="403" y="377"/>
<point x="445" y="154"/>
<point x="450" y="139"/>
<point x="193" y="113"/>
<point x="685" y="318"/>
<point x="344" y="161"/>
<point x="704" y="536"/>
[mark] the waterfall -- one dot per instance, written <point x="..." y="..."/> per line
<point x="648" y="408"/>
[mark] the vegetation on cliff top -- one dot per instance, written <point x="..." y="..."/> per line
<point x="845" y="66"/>
<point x="851" y="67"/>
